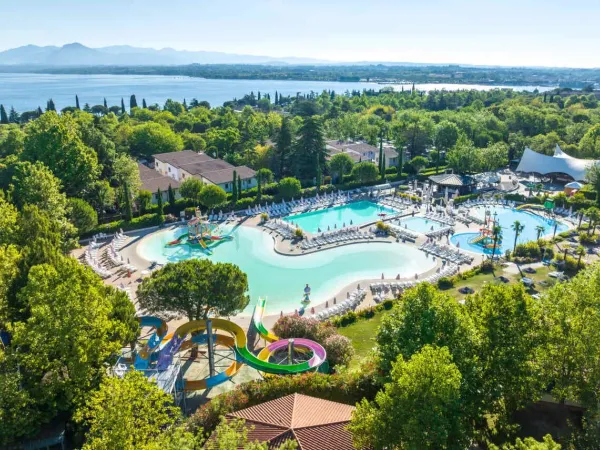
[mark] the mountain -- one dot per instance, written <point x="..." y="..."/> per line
<point x="76" y="54"/>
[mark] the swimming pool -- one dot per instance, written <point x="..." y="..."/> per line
<point x="506" y="217"/>
<point x="356" y="213"/>
<point x="282" y="278"/>
<point x="421" y="224"/>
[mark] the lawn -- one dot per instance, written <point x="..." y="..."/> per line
<point x="362" y="334"/>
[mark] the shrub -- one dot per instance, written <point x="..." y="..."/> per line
<point x="299" y="233"/>
<point x="82" y="215"/>
<point x="445" y="283"/>
<point x="295" y="326"/>
<point x="339" y="350"/>
<point x="264" y="217"/>
<point x="570" y="263"/>
<point x="382" y="227"/>
<point x="190" y="212"/>
<point x="391" y="170"/>
<point x="148" y="220"/>
<point x="587" y="239"/>
<point x="403" y="187"/>
<point x="289" y="187"/>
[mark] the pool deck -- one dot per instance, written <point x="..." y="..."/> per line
<point x="120" y="278"/>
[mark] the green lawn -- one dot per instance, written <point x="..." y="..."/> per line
<point x="362" y="333"/>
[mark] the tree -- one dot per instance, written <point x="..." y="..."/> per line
<point x="144" y="105"/>
<point x="258" y="186"/>
<point x="161" y="209"/>
<point x="50" y="105"/>
<point x="497" y="237"/>
<point x="144" y="199"/>
<point x="105" y="104"/>
<point x="56" y="141"/>
<point x="191" y="189"/>
<point x="123" y="110"/>
<point x="518" y="228"/>
<point x="126" y="171"/>
<point x="13" y="115"/>
<point x="309" y="148"/>
<point x="101" y="196"/>
<point x="150" y="138"/>
<point x="171" y="195"/>
<point x="77" y="102"/>
<point x="82" y="215"/>
<point x="127" y="413"/>
<point x="593" y="214"/>
<point x="34" y="184"/>
<point x="341" y="164"/>
<point x="266" y="175"/>
<point x="445" y="137"/>
<point x="289" y="187"/>
<point x="132" y="102"/>
<point x="464" y="157"/>
<point x="3" y="115"/>
<point x="127" y="202"/>
<point x="418" y="163"/>
<point x="212" y="195"/>
<point x="195" y="288"/>
<point x="239" y="185"/>
<point x="418" y="409"/>
<point x="365" y="172"/>
<point x="580" y="252"/>
<point x="529" y="444"/>
<point x="234" y="188"/>
<point x="539" y="230"/>
<point x="493" y="157"/>
<point x="283" y="148"/>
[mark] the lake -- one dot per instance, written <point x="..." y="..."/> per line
<point x="28" y="91"/>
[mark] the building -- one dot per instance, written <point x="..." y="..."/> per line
<point x="188" y="164"/>
<point x="153" y="181"/>
<point x="559" y="167"/>
<point x="361" y="152"/>
<point x="463" y="184"/>
<point x="314" y="424"/>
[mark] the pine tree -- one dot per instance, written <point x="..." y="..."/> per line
<point x="3" y="115"/>
<point x="144" y="105"/>
<point x="128" y="209"/>
<point x="132" y="102"/>
<point x="161" y="212"/>
<point x="123" y="111"/>
<point x="50" y="105"/>
<point x="87" y="108"/>
<point x="309" y="146"/>
<point x="105" y="103"/>
<point x="258" y="187"/>
<point x="13" y="115"/>
<point x="77" y="102"/>
<point x="171" y="197"/>
<point x="234" y="191"/>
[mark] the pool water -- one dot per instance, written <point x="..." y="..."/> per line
<point x="282" y="278"/>
<point x="356" y="213"/>
<point x="421" y="224"/>
<point x="506" y="217"/>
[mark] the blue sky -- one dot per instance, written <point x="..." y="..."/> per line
<point x="503" y="32"/>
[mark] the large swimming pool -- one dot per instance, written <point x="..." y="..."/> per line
<point x="356" y="213"/>
<point x="282" y="278"/>
<point x="506" y="217"/>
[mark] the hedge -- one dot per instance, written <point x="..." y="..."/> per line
<point x="366" y="313"/>
<point x="145" y="221"/>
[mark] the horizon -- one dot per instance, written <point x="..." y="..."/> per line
<point x="538" y="34"/>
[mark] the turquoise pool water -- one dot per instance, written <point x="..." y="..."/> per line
<point x="282" y="278"/>
<point x="506" y="217"/>
<point x="421" y="224"/>
<point x="358" y="213"/>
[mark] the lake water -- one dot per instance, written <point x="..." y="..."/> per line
<point x="28" y="91"/>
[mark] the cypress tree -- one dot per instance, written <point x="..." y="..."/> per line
<point x="128" y="209"/>
<point x="50" y="105"/>
<point x="132" y="102"/>
<point x="123" y="111"/>
<point x="234" y="191"/>
<point x="381" y="167"/>
<point x="319" y="174"/>
<point x="239" y="188"/>
<point x="144" y="103"/>
<point x="258" y="187"/>
<point x="77" y="102"/>
<point x="276" y="98"/>
<point x="3" y="115"/>
<point x="38" y="111"/>
<point x="105" y="103"/>
<point x="161" y="219"/>
<point x="171" y="198"/>
<point x="259" y="96"/>
<point x="185" y="105"/>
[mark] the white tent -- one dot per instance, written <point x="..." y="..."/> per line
<point x="533" y="162"/>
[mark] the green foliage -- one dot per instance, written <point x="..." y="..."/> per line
<point x="191" y="189"/>
<point x="144" y="199"/>
<point x="151" y="138"/>
<point x="365" y="172"/>
<point x="212" y="195"/>
<point x="195" y="288"/>
<point x="289" y="187"/>
<point x="419" y="408"/>
<point x="126" y="413"/>
<point x="82" y="215"/>
<point x="530" y="444"/>
<point x="340" y="164"/>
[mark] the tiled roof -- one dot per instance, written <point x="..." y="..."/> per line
<point x="451" y="179"/>
<point x="178" y="159"/>
<point x="316" y="424"/>
<point x="153" y="180"/>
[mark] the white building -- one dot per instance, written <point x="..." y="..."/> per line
<point x="362" y="152"/>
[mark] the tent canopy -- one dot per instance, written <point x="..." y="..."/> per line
<point x="533" y="162"/>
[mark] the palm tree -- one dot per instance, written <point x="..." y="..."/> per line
<point x="497" y="236"/>
<point x="593" y="214"/>
<point x="580" y="252"/>
<point x="540" y="229"/>
<point x="518" y="228"/>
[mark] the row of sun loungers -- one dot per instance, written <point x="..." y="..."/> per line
<point x="441" y="232"/>
<point x="446" y="252"/>
<point x="403" y="233"/>
<point x="440" y="218"/>
<point x="91" y="259"/>
<point x="221" y="217"/>
<point x="341" y="236"/>
<point x="353" y="300"/>
<point x="285" y="229"/>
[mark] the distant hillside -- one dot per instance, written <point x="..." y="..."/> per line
<point x="123" y="55"/>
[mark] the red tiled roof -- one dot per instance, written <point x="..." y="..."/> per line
<point x="314" y="423"/>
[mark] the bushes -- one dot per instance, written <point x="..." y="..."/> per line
<point x="289" y="187"/>
<point x="298" y="233"/>
<point x="148" y="220"/>
<point x="321" y="332"/>
<point x="445" y="283"/>
<point x="569" y="264"/>
<point x="366" y="313"/>
<point x="382" y="227"/>
<point x="587" y="239"/>
<point x="463" y="198"/>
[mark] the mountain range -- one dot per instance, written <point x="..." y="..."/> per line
<point x="77" y="54"/>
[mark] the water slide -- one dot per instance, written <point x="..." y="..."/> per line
<point x="257" y="316"/>
<point x="477" y="239"/>
<point x="142" y="359"/>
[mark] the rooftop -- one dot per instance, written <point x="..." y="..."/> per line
<point x="451" y="179"/>
<point x="315" y="424"/>
<point x="153" y="180"/>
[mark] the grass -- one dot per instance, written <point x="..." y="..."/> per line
<point x="362" y="334"/>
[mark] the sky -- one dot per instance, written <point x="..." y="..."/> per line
<point x="485" y="32"/>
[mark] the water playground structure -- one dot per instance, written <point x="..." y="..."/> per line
<point x="485" y="238"/>
<point x="159" y="358"/>
<point x="200" y="233"/>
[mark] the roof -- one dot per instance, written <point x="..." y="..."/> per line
<point x="226" y="175"/>
<point x="180" y="158"/>
<point x="153" y="180"/>
<point x="451" y="179"/>
<point x="560" y="162"/>
<point x="314" y="423"/>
